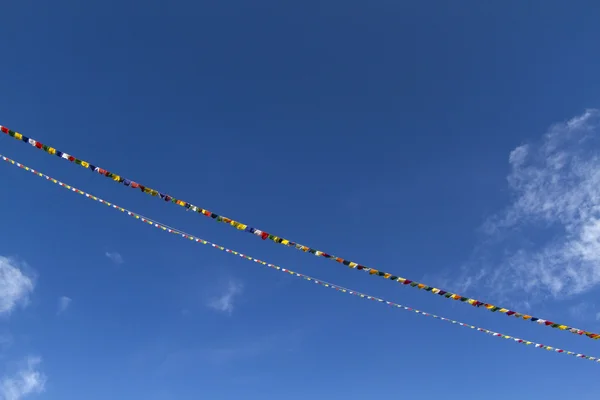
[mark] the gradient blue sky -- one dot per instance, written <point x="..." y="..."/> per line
<point x="381" y="132"/>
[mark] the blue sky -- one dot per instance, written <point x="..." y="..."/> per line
<point x="419" y="139"/>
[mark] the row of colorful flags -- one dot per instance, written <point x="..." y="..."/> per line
<point x="278" y="239"/>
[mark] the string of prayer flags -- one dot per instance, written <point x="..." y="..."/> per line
<point x="278" y="239"/>
<point x="339" y="289"/>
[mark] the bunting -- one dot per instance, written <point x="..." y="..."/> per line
<point x="308" y="278"/>
<point x="277" y="239"/>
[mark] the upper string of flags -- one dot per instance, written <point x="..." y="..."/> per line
<point x="277" y="239"/>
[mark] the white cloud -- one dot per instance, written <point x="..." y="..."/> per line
<point x="225" y="302"/>
<point x="115" y="257"/>
<point x="518" y="155"/>
<point x="63" y="304"/>
<point x="555" y="212"/>
<point x="28" y="380"/>
<point x="15" y="285"/>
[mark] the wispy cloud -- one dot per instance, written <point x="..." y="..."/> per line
<point x="27" y="380"/>
<point x="225" y="302"/>
<point x="223" y="351"/>
<point x="583" y="311"/>
<point x="6" y="341"/>
<point x="548" y="238"/>
<point x="115" y="257"/>
<point x="15" y="285"/>
<point x="63" y="303"/>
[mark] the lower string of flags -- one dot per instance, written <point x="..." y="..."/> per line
<point x="319" y="282"/>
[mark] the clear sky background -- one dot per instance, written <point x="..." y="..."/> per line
<point x="415" y="137"/>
